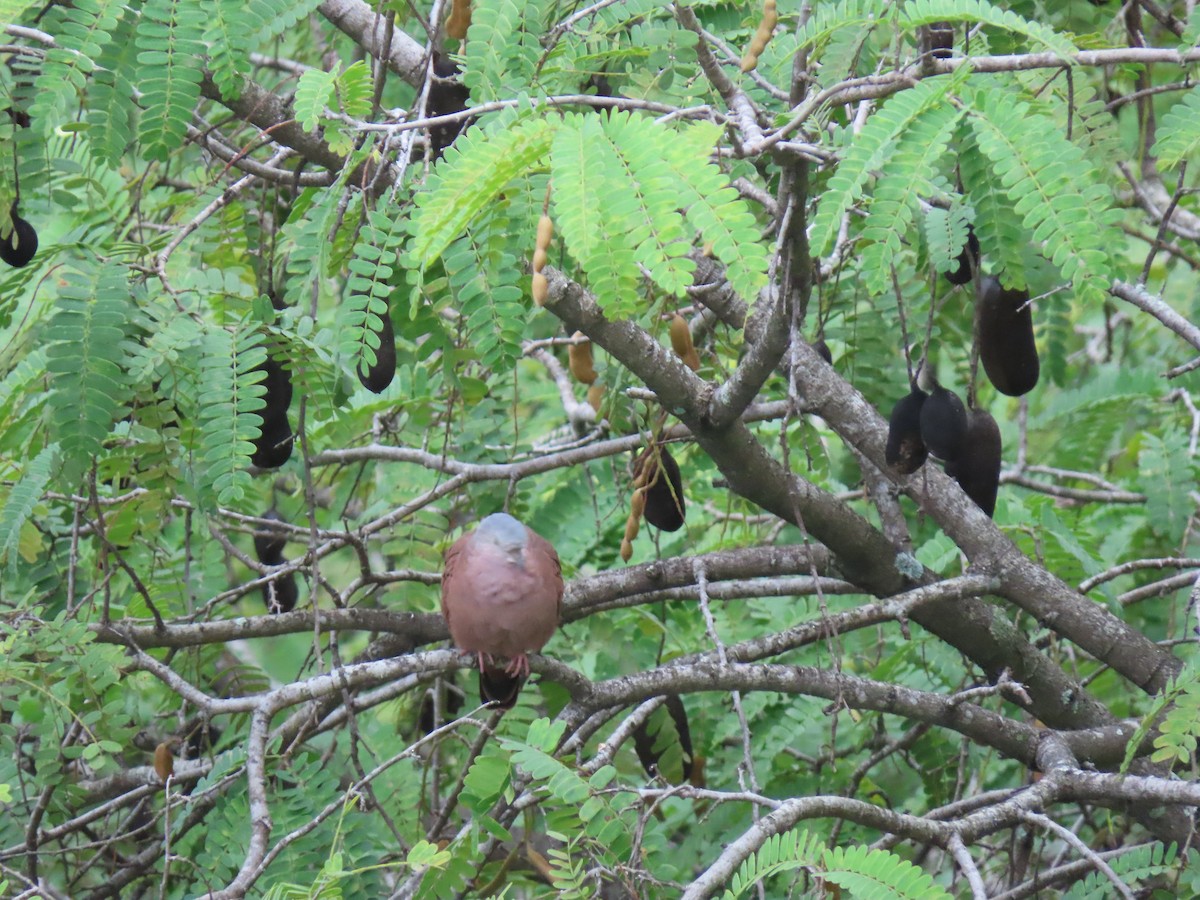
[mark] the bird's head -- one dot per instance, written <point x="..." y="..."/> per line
<point x="504" y="532"/>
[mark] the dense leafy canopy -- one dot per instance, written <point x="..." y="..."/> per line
<point x="278" y="341"/>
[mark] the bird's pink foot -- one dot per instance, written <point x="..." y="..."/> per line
<point x="517" y="666"/>
<point x="485" y="659"/>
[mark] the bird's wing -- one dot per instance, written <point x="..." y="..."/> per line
<point x="449" y="567"/>
<point x="549" y="565"/>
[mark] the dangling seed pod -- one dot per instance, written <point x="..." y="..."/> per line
<point x="762" y="35"/>
<point x="1006" y="345"/>
<point x="681" y="341"/>
<point x="460" y="20"/>
<point x="273" y="446"/>
<point x="379" y="375"/>
<point x="977" y="469"/>
<point x="164" y="761"/>
<point x="905" y="451"/>
<point x="967" y="262"/>
<point x="579" y="356"/>
<point x="541" y="287"/>
<point x="595" y="396"/>
<point x="943" y="417"/>
<point x="657" y="474"/>
<point x="281" y="594"/>
<point x="18" y="247"/>
<point x="663" y="743"/>
<point x="823" y="350"/>
<point x="446" y="95"/>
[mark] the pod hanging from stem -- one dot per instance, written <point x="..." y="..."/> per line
<point x="762" y="35"/>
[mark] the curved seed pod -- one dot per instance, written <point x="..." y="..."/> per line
<point x="1006" y="345"/>
<point x="905" y="451"/>
<point x="580" y="358"/>
<point x="762" y="34"/>
<point x="663" y="742"/>
<point x="380" y="375"/>
<point x="595" y="396"/>
<point x="280" y="595"/>
<point x="268" y="545"/>
<point x="977" y="469"/>
<point x="943" y="418"/>
<point x="540" y="289"/>
<point x="18" y="247"/>
<point x="823" y="350"/>
<point x="273" y="447"/>
<point x="460" y="20"/>
<point x="657" y="473"/>
<point x="164" y="761"/>
<point x="681" y="341"/>
<point x="541" y="250"/>
<point x="966" y="262"/>
<point x="626" y="549"/>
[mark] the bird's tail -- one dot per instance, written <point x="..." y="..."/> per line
<point x="498" y="689"/>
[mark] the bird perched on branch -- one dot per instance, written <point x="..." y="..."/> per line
<point x="502" y="592"/>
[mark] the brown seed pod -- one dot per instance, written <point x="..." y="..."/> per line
<point x="580" y="357"/>
<point x="977" y="469"/>
<point x="460" y="20"/>
<point x="545" y="233"/>
<point x="823" y="350"/>
<point x="164" y="761"/>
<point x="540" y="289"/>
<point x="632" y="524"/>
<point x="626" y="550"/>
<point x="1004" y="325"/>
<point x="656" y="472"/>
<point x="637" y="506"/>
<point x="540" y="258"/>
<point x="681" y="340"/>
<point x="595" y="396"/>
<point x="762" y="35"/>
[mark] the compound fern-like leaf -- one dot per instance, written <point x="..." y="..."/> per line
<point x="22" y="499"/>
<point x="230" y="394"/>
<point x="879" y="875"/>
<point x="171" y="55"/>
<point x="85" y="360"/>
<point x="1052" y="187"/>
<point x="468" y="178"/>
<point x="1179" y="130"/>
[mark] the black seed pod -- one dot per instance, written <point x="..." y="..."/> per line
<point x="1006" y="346"/>
<point x="446" y="96"/>
<point x="379" y="376"/>
<point x="281" y="594"/>
<point x="905" y="451"/>
<point x="656" y="739"/>
<point x="966" y="262"/>
<point x="943" y="418"/>
<point x="977" y="469"/>
<point x="274" y="445"/>
<point x="22" y="242"/>
<point x="665" y="508"/>
<point x="823" y="350"/>
<point x="268" y="545"/>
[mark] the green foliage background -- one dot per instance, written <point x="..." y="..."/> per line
<point x="131" y="394"/>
